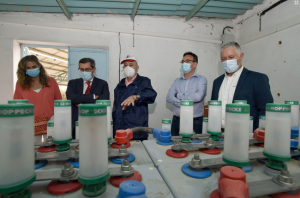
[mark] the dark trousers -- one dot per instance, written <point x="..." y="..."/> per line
<point x="197" y="125"/>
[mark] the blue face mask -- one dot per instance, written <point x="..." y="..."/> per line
<point x="86" y="75"/>
<point x="186" y="67"/>
<point x="230" y="66"/>
<point x="33" y="72"/>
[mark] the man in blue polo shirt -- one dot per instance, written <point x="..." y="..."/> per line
<point x="190" y="86"/>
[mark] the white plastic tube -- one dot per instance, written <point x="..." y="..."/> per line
<point x="77" y="130"/>
<point x="50" y="128"/>
<point x="251" y="125"/>
<point x="166" y="124"/>
<point x="16" y="144"/>
<point x="262" y="122"/>
<point x="294" y="112"/>
<point x="62" y="120"/>
<point x="214" y="117"/>
<point x="204" y="125"/>
<point x="186" y="117"/>
<point x="236" y="143"/>
<point x="93" y="155"/>
<point x="107" y="103"/>
<point x="278" y="130"/>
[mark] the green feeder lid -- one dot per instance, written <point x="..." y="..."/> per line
<point x="103" y="102"/>
<point x="16" y="110"/>
<point x="280" y="108"/>
<point x="18" y="102"/>
<point x="186" y="103"/>
<point x="111" y="122"/>
<point x="77" y="123"/>
<point x="240" y="101"/>
<point x="238" y="108"/>
<point x="215" y="103"/>
<point x="205" y="119"/>
<point x="62" y="103"/>
<point x="50" y="124"/>
<point x="166" y="121"/>
<point x="251" y="117"/>
<point x="92" y="110"/>
<point x="292" y="102"/>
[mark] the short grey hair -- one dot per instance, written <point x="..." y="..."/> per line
<point x="233" y="45"/>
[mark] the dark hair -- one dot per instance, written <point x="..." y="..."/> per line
<point x="192" y="54"/>
<point x="88" y="60"/>
<point x="24" y="80"/>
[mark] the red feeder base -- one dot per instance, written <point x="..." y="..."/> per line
<point x="57" y="188"/>
<point x="215" y="194"/>
<point x="260" y="145"/>
<point x="286" y="195"/>
<point x="43" y="149"/>
<point x="116" y="180"/>
<point x="77" y="146"/>
<point x="115" y="145"/>
<point x="249" y="148"/>
<point x="182" y="154"/>
<point x="211" y="152"/>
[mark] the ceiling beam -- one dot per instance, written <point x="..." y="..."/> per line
<point x="135" y="9"/>
<point x="54" y="65"/>
<point x="61" y="50"/>
<point x="197" y="7"/>
<point x="47" y="53"/>
<point x="64" y="8"/>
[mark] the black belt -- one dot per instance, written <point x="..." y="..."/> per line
<point x="194" y="118"/>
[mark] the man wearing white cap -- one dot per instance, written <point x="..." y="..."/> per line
<point x="132" y="96"/>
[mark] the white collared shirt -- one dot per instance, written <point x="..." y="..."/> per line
<point x="227" y="90"/>
<point x="85" y="85"/>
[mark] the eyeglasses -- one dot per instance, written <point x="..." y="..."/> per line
<point x="85" y="70"/>
<point x="186" y="61"/>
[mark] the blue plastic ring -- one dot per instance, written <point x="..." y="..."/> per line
<point x="196" y="141"/>
<point x="40" y="164"/>
<point x="119" y="160"/>
<point x="201" y="174"/>
<point x="247" y="169"/>
<point x="74" y="164"/>
<point x="163" y="143"/>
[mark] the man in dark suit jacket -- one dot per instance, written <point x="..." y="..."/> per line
<point x="239" y="83"/>
<point x="86" y="89"/>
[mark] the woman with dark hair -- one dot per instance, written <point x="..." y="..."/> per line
<point x="35" y="85"/>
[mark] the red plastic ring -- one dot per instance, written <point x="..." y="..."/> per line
<point x="211" y="151"/>
<point x="116" y="180"/>
<point x="182" y="154"/>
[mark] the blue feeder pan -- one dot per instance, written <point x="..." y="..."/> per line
<point x="73" y="163"/>
<point x="132" y="189"/>
<point x="119" y="160"/>
<point x="222" y="139"/>
<point x="294" y="144"/>
<point x="164" y="143"/>
<point x="40" y="164"/>
<point x="199" y="174"/>
<point x="196" y="141"/>
<point x="247" y="169"/>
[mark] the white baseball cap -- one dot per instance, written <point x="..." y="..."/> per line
<point x="129" y="58"/>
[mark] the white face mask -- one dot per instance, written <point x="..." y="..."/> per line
<point x="129" y="72"/>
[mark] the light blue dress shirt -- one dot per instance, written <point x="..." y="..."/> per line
<point x="186" y="89"/>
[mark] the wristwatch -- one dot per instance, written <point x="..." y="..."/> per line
<point x="138" y="96"/>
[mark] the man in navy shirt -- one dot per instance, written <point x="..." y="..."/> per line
<point x="132" y="96"/>
<point x="190" y="86"/>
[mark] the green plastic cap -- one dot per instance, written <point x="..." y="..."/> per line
<point x="62" y="103"/>
<point x="292" y="102"/>
<point x="18" y="102"/>
<point x="240" y="101"/>
<point x="77" y="123"/>
<point x="16" y="110"/>
<point x="251" y="117"/>
<point x="166" y="121"/>
<point x="92" y="110"/>
<point x="262" y="117"/>
<point x="111" y="122"/>
<point x="238" y="108"/>
<point x="50" y="124"/>
<point x="215" y="103"/>
<point x="205" y="119"/>
<point x="186" y="103"/>
<point x="103" y="102"/>
<point x="280" y="108"/>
